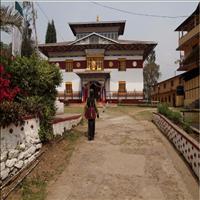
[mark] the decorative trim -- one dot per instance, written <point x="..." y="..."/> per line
<point x="183" y="142"/>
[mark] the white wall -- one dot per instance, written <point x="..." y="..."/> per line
<point x="133" y="78"/>
<point x="70" y="77"/>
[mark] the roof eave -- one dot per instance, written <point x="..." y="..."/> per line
<point x="196" y="12"/>
<point x="121" y="29"/>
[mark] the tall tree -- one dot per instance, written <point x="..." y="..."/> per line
<point x="27" y="41"/>
<point x="54" y="39"/>
<point x="151" y="74"/>
<point x="51" y="33"/>
<point x="9" y="18"/>
<point x="48" y="36"/>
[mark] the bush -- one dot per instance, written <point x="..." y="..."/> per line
<point x="7" y="92"/>
<point x="37" y="80"/>
<point x="11" y="112"/>
<point x="163" y="109"/>
<point x="175" y="117"/>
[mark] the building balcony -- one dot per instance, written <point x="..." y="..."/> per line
<point x="194" y="32"/>
<point x="190" y="61"/>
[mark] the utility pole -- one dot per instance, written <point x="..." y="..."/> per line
<point x="34" y="25"/>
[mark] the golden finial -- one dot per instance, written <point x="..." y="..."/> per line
<point x="97" y="18"/>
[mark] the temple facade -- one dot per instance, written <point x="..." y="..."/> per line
<point x="98" y="59"/>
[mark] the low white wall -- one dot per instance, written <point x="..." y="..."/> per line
<point x="183" y="142"/>
<point x="66" y="124"/>
<point x="19" y="146"/>
<point x="59" y="107"/>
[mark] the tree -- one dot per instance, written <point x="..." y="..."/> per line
<point x="54" y="39"/>
<point x="151" y="74"/>
<point x="51" y="33"/>
<point x="9" y="19"/>
<point x="27" y="42"/>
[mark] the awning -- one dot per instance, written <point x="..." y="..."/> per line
<point x="93" y="74"/>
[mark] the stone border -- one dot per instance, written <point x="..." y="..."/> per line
<point x="20" y="144"/>
<point x="63" y="124"/>
<point x="184" y="143"/>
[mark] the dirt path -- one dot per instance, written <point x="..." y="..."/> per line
<point x="129" y="160"/>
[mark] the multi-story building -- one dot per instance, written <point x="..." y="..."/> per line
<point x="169" y="91"/>
<point x="189" y="44"/>
<point x="100" y="60"/>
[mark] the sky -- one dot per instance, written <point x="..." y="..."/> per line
<point x="159" y="30"/>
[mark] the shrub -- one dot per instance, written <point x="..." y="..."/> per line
<point x="11" y="112"/>
<point x="175" y="117"/>
<point x="37" y="80"/>
<point x="7" y="92"/>
<point x="163" y="109"/>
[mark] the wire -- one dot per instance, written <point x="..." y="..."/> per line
<point x="41" y="9"/>
<point x="138" y="14"/>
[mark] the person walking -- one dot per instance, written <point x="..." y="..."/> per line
<point x="91" y="112"/>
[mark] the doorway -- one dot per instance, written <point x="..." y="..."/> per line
<point x="96" y="87"/>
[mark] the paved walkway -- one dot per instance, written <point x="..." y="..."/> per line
<point x="128" y="160"/>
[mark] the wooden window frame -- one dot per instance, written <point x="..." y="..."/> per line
<point x="68" y="88"/>
<point x="68" y="65"/>
<point x="122" y="84"/>
<point x="121" y="67"/>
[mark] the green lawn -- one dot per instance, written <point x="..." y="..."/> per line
<point x="73" y="109"/>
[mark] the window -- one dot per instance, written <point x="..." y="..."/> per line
<point x="95" y="63"/>
<point x="172" y="83"/>
<point x="164" y="85"/>
<point x="122" y="64"/>
<point x="68" y="87"/>
<point x="69" y="66"/>
<point x="122" y="86"/>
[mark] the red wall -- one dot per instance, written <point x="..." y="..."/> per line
<point x="83" y="64"/>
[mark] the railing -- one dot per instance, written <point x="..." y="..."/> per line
<point x="124" y="95"/>
<point x="189" y="35"/>
<point x="73" y="95"/>
<point x="110" y="95"/>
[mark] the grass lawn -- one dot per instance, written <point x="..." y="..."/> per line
<point x="73" y="109"/>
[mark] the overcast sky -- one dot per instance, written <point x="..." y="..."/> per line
<point x="160" y="30"/>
